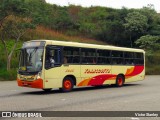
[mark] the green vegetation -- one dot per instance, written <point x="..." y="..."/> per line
<point x="151" y="44"/>
<point x="153" y="64"/>
<point x="22" y="20"/>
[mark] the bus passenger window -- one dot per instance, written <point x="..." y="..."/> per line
<point x="88" y="56"/>
<point x="65" y="60"/>
<point x="71" y="55"/>
<point x="117" y="57"/>
<point x="50" y="58"/>
<point x="53" y="57"/>
<point x="103" y="57"/>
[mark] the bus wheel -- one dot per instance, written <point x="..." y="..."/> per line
<point x="119" y="81"/>
<point x="67" y="84"/>
<point x="47" y="90"/>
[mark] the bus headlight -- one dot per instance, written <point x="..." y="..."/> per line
<point x="18" y="76"/>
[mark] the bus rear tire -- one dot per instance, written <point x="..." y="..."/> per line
<point x="67" y="84"/>
<point x="120" y="81"/>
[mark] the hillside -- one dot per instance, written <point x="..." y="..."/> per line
<point x="120" y="27"/>
<point x="42" y="32"/>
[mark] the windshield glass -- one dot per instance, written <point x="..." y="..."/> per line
<point x="31" y="59"/>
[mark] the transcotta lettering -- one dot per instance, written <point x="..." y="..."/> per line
<point x="94" y="71"/>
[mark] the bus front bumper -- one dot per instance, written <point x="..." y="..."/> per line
<point x="33" y="84"/>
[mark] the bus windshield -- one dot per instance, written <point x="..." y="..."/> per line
<point x="31" y="59"/>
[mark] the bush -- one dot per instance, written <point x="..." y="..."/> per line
<point x="8" y="75"/>
<point x="153" y="70"/>
<point x="153" y="64"/>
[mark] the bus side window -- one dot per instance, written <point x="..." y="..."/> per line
<point x="103" y="57"/>
<point x="65" y="60"/>
<point x="139" y="58"/>
<point x="88" y="56"/>
<point x="71" y="55"/>
<point x="117" y="57"/>
<point x="53" y="57"/>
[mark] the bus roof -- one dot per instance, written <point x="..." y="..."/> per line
<point x="86" y="45"/>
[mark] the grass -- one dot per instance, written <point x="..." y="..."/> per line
<point x="46" y="33"/>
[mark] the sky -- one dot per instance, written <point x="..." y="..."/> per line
<point x="109" y="3"/>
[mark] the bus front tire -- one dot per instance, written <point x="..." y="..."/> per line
<point x="119" y="81"/>
<point x="67" y="85"/>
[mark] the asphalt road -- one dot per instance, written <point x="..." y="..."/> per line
<point x="138" y="96"/>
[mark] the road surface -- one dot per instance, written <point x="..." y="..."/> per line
<point x="138" y="96"/>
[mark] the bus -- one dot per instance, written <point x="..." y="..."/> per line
<point x="48" y="64"/>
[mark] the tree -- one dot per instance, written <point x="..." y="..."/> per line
<point x="74" y="15"/>
<point x="153" y="19"/>
<point x="14" y="24"/>
<point x="62" y="20"/>
<point x="136" y="23"/>
<point x="149" y="43"/>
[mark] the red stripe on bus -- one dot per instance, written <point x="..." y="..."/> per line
<point x="100" y="79"/>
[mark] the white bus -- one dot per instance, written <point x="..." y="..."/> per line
<point x="48" y="64"/>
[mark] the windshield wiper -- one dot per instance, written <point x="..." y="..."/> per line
<point x="32" y="53"/>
